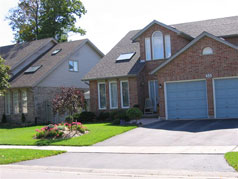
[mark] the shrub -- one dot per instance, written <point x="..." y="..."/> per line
<point x="116" y="122"/>
<point x="134" y="113"/>
<point x="84" y="117"/>
<point x="23" y="118"/>
<point x="4" y="118"/>
<point x="103" y="116"/>
<point x="69" y="119"/>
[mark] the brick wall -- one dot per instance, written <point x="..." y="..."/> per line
<point x="233" y="40"/>
<point x="133" y="93"/>
<point x="177" y="43"/>
<point x="193" y="65"/>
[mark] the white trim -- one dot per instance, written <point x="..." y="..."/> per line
<point x="99" y="106"/>
<point x="214" y="91"/>
<point x="165" y="94"/>
<point x="110" y="99"/>
<point x="214" y="98"/>
<point x="122" y="104"/>
<point x="165" y="103"/>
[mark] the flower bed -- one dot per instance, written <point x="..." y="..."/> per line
<point x="62" y="130"/>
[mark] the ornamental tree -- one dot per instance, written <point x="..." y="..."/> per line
<point x="69" y="100"/>
<point x="4" y="75"/>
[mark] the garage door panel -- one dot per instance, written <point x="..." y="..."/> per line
<point x="187" y="100"/>
<point x="226" y="97"/>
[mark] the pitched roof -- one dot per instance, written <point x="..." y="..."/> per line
<point x="163" y="25"/>
<point x="17" y="53"/>
<point x="109" y="68"/>
<point x="219" y="27"/>
<point x="191" y="44"/>
<point x="49" y="63"/>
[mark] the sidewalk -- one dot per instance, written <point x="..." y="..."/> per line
<point x="135" y="150"/>
<point x="19" y="171"/>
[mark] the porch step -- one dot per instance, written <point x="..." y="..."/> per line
<point x="150" y="116"/>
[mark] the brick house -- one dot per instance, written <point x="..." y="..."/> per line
<point x="188" y="71"/>
<point x="38" y="71"/>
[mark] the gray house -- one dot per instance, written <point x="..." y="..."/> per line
<point x="38" y="70"/>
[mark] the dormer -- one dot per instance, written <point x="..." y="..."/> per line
<point x="159" y="41"/>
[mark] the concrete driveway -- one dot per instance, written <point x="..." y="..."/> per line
<point x="180" y="133"/>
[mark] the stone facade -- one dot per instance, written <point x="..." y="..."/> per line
<point x="191" y="65"/>
<point x="16" y="118"/>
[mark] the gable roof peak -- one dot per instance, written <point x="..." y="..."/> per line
<point x="172" y="28"/>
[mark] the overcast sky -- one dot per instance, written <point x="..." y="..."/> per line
<point x="107" y="21"/>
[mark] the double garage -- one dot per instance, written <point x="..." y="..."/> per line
<point x="189" y="99"/>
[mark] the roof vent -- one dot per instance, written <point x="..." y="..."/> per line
<point x="33" y="69"/>
<point x="125" y="56"/>
<point x="56" y="51"/>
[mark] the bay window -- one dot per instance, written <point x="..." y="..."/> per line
<point x="125" y="103"/>
<point x="7" y="103"/>
<point x="102" y="95"/>
<point x="113" y="95"/>
<point x="24" y="101"/>
<point x="15" y="102"/>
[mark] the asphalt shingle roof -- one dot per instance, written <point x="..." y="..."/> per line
<point x="15" y="54"/>
<point x="109" y="68"/>
<point x="218" y="27"/>
<point x="48" y="63"/>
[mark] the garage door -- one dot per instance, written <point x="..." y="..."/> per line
<point x="187" y="100"/>
<point x="226" y="98"/>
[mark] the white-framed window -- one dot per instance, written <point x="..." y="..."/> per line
<point x="125" y="99"/>
<point x="167" y="46"/>
<point x="207" y="51"/>
<point x="24" y="101"/>
<point x="158" y="45"/>
<point x="147" y="49"/>
<point x="73" y="66"/>
<point x="102" y="95"/>
<point x="113" y="94"/>
<point x="15" y="102"/>
<point x="7" y="103"/>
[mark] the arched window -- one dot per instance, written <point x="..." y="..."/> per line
<point x="157" y="45"/>
<point x="207" y="51"/>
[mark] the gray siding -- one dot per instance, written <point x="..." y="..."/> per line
<point x="62" y="77"/>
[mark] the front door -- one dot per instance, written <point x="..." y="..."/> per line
<point x="154" y="93"/>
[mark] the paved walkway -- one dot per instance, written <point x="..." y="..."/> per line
<point x="20" y="171"/>
<point x="135" y="149"/>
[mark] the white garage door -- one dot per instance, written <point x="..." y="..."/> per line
<point x="226" y="98"/>
<point x="186" y="100"/>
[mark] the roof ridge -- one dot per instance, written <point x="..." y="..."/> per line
<point x="203" y="20"/>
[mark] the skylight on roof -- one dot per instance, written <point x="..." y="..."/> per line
<point x="125" y="56"/>
<point x="56" y="51"/>
<point x="33" y="69"/>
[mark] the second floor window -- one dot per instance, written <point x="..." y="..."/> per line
<point x="161" y="46"/>
<point x="73" y="65"/>
<point x="158" y="45"/>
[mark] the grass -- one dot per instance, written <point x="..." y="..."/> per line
<point x="232" y="159"/>
<point x="16" y="155"/>
<point x="24" y="135"/>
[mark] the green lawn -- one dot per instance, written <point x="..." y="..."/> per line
<point x="16" y="155"/>
<point x="24" y="135"/>
<point x="232" y="159"/>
